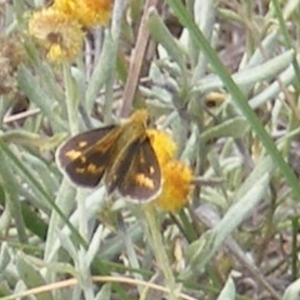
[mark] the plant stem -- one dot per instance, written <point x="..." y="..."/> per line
<point x="158" y="247"/>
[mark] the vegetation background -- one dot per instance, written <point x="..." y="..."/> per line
<point x="223" y="78"/>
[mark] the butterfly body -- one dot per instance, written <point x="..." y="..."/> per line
<point x="121" y="154"/>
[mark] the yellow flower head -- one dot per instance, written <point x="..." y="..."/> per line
<point x="176" y="186"/>
<point x="177" y="177"/>
<point x="88" y="12"/>
<point x="57" y="33"/>
<point x="163" y="145"/>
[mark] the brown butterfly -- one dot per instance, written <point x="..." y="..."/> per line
<point x="122" y="154"/>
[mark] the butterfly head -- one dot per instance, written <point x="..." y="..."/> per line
<point x="140" y="116"/>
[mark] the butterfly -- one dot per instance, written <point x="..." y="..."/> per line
<point x="122" y="155"/>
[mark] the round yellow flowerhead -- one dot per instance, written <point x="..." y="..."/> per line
<point x="56" y="32"/>
<point x="87" y="12"/>
<point x="176" y="186"/>
<point x="163" y="145"/>
<point x="177" y="177"/>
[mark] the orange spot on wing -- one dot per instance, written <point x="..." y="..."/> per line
<point x="93" y="169"/>
<point x="145" y="181"/>
<point x="82" y="144"/>
<point x="73" y="154"/>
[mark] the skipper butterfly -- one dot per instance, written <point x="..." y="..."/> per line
<point x="121" y="154"/>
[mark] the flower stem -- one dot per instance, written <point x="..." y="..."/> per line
<point x="158" y="247"/>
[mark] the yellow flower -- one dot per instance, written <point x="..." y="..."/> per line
<point x="177" y="177"/>
<point x="87" y="12"/>
<point x="57" y="33"/>
<point x="176" y="186"/>
<point x="163" y="145"/>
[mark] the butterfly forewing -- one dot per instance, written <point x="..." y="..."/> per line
<point x="137" y="175"/>
<point x="85" y="157"/>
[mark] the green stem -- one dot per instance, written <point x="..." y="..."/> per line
<point x="158" y="247"/>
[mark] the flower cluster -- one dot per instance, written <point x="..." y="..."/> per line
<point x="59" y="29"/>
<point x="88" y="12"/>
<point x="177" y="176"/>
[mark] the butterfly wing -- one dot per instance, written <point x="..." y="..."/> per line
<point x="137" y="175"/>
<point x="85" y="157"/>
